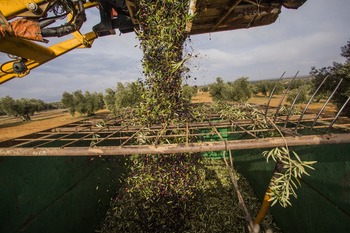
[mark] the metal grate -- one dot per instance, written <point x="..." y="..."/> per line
<point x="117" y="136"/>
<point x="124" y="136"/>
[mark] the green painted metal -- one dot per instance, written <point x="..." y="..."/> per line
<point x="56" y="194"/>
<point x="72" y="194"/>
<point x="323" y="203"/>
<point x="214" y="138"/>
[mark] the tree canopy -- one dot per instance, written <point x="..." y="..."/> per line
<point x="239" y="90"/>
<point x="123" y="96"/>
<point x="87" y="103"/>
<point x="334" y="74"/>
<point x="23" y="108"/>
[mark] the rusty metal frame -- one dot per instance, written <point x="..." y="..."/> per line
<point x="117" y="136"/>
<point x="179" y="148"/>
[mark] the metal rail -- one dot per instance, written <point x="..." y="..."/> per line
<point x="180" y="148"/>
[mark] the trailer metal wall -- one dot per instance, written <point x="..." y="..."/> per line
<point x="56" y="194"/>
<point x="323" y="203"/>
<point x="72" y="194"/>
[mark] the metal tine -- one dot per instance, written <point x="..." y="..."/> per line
<point x="308" y="104"/>
<point x="284" y="95"/>
<point x="325" y="104"/>
<point x="293" y="103"/>
<point x="338" y="114"/>
<point x="271" y="94"/>
<point x="292" y="107"/>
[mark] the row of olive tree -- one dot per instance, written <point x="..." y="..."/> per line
<point x="124" y="95"/>
<point x="242" y="90"/>
<point x="129" y="95"/>
<point x="23" y="108"/>
<point x="87" y="103"/>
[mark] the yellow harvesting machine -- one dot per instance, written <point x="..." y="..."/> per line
<point x="27" y="25"/>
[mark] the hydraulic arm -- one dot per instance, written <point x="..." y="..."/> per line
<point x="27" y="25"/>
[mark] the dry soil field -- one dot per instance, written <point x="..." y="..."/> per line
<point x="11" y="127"/>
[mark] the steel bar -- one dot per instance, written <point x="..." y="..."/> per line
<point x="217" y="132"/>
<point x="271" y="94"/>
<point x="132" y="136"/>
<point x="325" y="104"/>
<point x="180" y="148"/>
<point x="235" y="4"/>
<point x="109" y="136"/>
<point x="196" y="133"/>
<point x="308" y="104"/>
<point x="292" y="107"/>
<point x="26" y="141"/>
<point x="187" y="133"/>
<point x="234" y="179"/>
<point x="54" y="139"/>
<point x="85" y="136"/>
<point x="284" y="95"/>
<point x="338" y="114"/>
<point x="246" y="131"/>
<point x="148" y="137"/>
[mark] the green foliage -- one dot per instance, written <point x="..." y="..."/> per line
<point x="239" y="90"/>
<point x="335" y="73"/>
<point x="94" y="102"/>
<point x="162" y="35"/>
<point x="296" y="84"/>
<point x="242" y="89"/>
<point x="87" y="103"/>
<point x="109" y="100"/>
<point x="125" y="95"/>
<point x="23" y="108"/>
<point x="345" y="51"/>
<point x="286" y="179"/>
<point x="129" y="95"/>
<point x="215" y="89"/>
<point x="265" y="87"/>
<point x="205" y="88"/>
<point x="56" y="105"/>
<point x="188" y="92"/>
<point x="68" y="102"/>
<point x="302" y="95"/>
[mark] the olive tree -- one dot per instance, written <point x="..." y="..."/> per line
<point x="335" y="73"/>
<point x="239" y="90"/>
<point x="87" y="103"/>
<point x="265" y="87"/>
<point x="123" y="96"/>
<point x="298" y="95"/>
<point x="23" y="108"/>
<point x="215" y="89"/>
<point x="188" y="92"/>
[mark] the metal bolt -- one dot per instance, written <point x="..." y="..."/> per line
<point x="19" y="67"/>
<point x="32" y="6"/>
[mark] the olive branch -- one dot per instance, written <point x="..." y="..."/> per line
<point x="287" y="174"/>
<point x="283" y="184"/>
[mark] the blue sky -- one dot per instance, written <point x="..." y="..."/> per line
<point x="298" y="40"/>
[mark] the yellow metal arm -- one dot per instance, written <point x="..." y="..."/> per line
<point x="38" y="55"/>
<point x="22" y="22"/>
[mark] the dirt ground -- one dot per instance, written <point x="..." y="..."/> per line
<point x="275" y="100"/>
<point x="11" y="127"/>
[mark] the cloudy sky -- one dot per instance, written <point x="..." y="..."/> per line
<point x="298" y="40"/>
